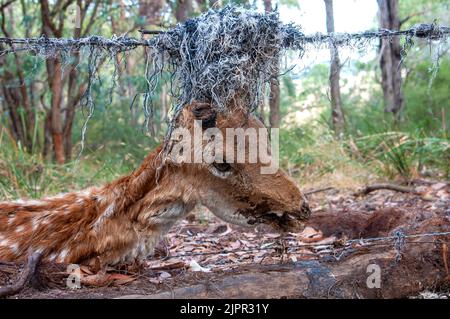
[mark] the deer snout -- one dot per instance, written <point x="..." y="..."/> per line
<point x="293" y="220"/>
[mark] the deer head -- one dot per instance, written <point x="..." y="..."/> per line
<point x="232" y="178"/>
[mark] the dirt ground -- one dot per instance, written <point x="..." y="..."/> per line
<point x="203" y="249"/>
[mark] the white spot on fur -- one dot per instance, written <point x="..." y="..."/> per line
<point x="52" y="257"/>
<point x="59" y="196"/>
<point x="14" y="248"/>
<point x="35" y="202"/>
<point x="109" y="211"/>
<point x="4" y="242"/>
<point x="34" y="223"/>
<point x="86" y="192"/>
<point x="62" y="255"/>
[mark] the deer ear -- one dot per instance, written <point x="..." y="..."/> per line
<point x="205" y="113"/>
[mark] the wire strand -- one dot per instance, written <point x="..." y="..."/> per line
<point x="365" y="242"/>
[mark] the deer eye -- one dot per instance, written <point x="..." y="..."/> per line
<point x="222" y="167"/>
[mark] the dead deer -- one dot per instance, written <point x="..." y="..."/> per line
<point x="124" y="220"/>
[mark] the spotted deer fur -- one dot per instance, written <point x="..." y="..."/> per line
<point x="124" y="220"/>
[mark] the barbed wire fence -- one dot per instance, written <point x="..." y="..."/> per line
<point x="44" y="46"/>
<point x="224" y="56"/>
<point x="331" y="251"/>
<point x="217" y="57"/>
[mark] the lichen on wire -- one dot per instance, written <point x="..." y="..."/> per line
<point x="222" y="56"/>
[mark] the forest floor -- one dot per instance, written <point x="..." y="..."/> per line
<point x="189" y="253"/>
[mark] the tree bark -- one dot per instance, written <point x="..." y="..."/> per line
<point x="73" y="94"/>
<point x="150" y="10"/>
<point x="337" y="113"/>
<point x="16" y="123"/>
<point x="391" y="77"/>
<point x="17" y="97"/>
<point x="182" y="10"/>
<point x="274" y="97"/>
<point x="56" y="120"/>
<point x="55" y="83"/>
<point x="274" y="102"/>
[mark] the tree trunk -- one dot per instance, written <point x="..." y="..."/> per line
<point x="183" y="7"/>
<point x="53" y="66"/>
<point x="274" y="102"/>
<point x="16" y="123"/>
<point x="391" y="77"/>
<point x="150" y="10"/>
<point x="337" y="113"/>
<point x="46" y="151"/>
<point x="22" y="115"/>
<point x="72" y="100"/>
<point x="54" y="71"/>
<point x="274" y="97"/>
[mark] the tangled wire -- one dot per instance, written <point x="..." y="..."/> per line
<point x="222" y="56"/>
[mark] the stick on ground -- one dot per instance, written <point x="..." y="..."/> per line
<point x="318" y="190"/>
<point x="27" y="275"/>
<point x="371" y="188"/>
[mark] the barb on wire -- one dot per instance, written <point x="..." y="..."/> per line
<point x="398" y="237"/>
<point x="399" y="244"/>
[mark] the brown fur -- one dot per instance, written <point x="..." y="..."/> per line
<point x="124" y="220"/>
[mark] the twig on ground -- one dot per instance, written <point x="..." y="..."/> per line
<point x="27" y="275"/>
<point x="318" y="190"/>
<point x="397" y="188"/>
<point x="371" y="188"/>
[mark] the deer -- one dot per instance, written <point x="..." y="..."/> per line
<point x="123" y="221"/>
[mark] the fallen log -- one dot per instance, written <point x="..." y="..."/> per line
<point x="377" y="270"/>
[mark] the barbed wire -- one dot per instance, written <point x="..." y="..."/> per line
<point x="225" y="56"/>
<point x="44" y="45"/>
<point x="398" y="238"/>
<point x="422" y="31"/>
